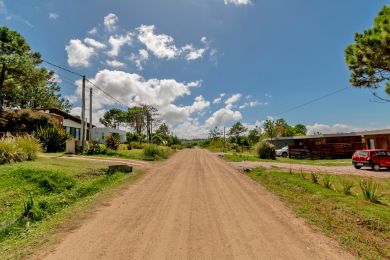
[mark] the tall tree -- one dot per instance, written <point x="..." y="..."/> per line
<point x="236" y="131"/>
<point x="215" y="133"/>
<point x="163" y="130"/>
<point x="17" y="61"/>
<point x="269" y="128"/>
<point x="150" y="115"/>
<point x="136" y="119"/>
<point x="300" y="129"/>
<point x="22" y="83"/>
<point x="113" y="118"/>
<point x="369" y="57"/>
<point x="254" y="135"/>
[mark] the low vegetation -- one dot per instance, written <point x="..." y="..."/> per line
<point x="237" y="157"/>
<point x="53" y="138"/>
<point x="345" y="213"/>
<point x="34" y="193"/>
<point x="18" y="149"/>
<point x="266" y="150"/>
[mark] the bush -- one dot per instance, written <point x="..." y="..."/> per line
<point x="370" y="191"/>
<point x="266" y="150"/>
<point x="17" y="149"/>
<point x="176" y="147"/>
<point x="29" y="145"/>
<point x="135" y="145"/>
<point x="52" y="138"/>
<point x="347" y="186"/>
<point x="25" y="121"/>
<point x="112" y="142"/>
<point x="153" y="152"/>
<point x="314" y="178"/>
<point x="327" y="182"/>
<point x="97" y="148"/>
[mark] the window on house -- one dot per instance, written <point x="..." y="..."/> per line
<point x="102" y="135"/>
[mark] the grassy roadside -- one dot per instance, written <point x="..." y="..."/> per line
<point x="360" y="226"/>
<point x="52" y="210"/>
<point x="235" y="157"/>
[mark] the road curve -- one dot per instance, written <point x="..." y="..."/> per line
<point x="195" y="206"/>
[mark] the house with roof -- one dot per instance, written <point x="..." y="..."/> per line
<point x="71" y="124"/>
<point x="341" y="145"/>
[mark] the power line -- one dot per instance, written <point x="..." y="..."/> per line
<point x="107" y="94"/>
<point x="60" y="67"/>
<point x="312" y="101"/>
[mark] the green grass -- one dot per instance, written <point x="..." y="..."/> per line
<point x="235" y="157"/>
<point x="360" y="226"/>
<point x="35" y="196"/>
<point x="137" y="154"/>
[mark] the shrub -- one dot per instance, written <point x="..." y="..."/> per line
<point x="135" y="145"/>
<point x="29" y="145"/>
<point x="112" y="142"/>
<point x="314" y="178"/>
<point x="97" y="148"/>
<point x="347" y="186"/>
<point x="17" y="149"/>
<point x="152" y="151"/>
<point x="176" y="147"/>
<point x="266" y="150"/>
<point x="370" y="191"/>
<point x="327" y="182"/>
<point x="52" y="138"/>
<point x="25" y="121"/>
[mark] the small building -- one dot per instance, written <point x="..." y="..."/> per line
<point x="99" y="134"/>
<point x="71" y="124"/>
<point x="334" y="145"/>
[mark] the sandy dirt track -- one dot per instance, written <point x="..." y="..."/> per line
<point x="194" y="206"/>
<point x="338" y="170"/>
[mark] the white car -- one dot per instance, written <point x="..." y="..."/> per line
<point x="282" y="152"/>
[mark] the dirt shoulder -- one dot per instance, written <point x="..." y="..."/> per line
<point x="195" y="206"/>
<point x="348" y="170"/>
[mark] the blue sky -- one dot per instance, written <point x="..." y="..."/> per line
<point x="183" y="55"/>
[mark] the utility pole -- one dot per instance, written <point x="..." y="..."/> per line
<point x="83" y="116"/>
<point x="224" y="139"/>
<point x="90" y="116"/>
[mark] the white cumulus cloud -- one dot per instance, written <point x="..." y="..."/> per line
<point x="231" y="100"/>
<point x="222" y="117"/>
<point x="79" y="54"/>
<point x="110" y="22"/>
<point x="117" y="42"/>
<point x="332" y="129"/>
<point x="238" y="2"/>
<point x="94" y="43"/>
<point x="115" y="63"/>
<point x="161" y="45"/>
<point x="53" y="16"/>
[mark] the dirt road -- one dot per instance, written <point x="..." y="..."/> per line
<point x="338" y="170"/>
<point x="195" y="206"/>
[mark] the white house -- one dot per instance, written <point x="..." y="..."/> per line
<point x="71" y="123"/>
<point x="99" y="134"/>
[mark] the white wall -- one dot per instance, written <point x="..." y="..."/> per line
<point x="100" y="133"/>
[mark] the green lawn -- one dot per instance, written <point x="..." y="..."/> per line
<point x="236" y="157"/>
<point x="360" y="226"/>
<point x="35" y="195"/>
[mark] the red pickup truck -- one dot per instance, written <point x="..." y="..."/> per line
<point x="376" y="159"/>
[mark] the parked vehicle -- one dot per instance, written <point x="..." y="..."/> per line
<point x="282" y="152"/>
<point x="376" y="159"/>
